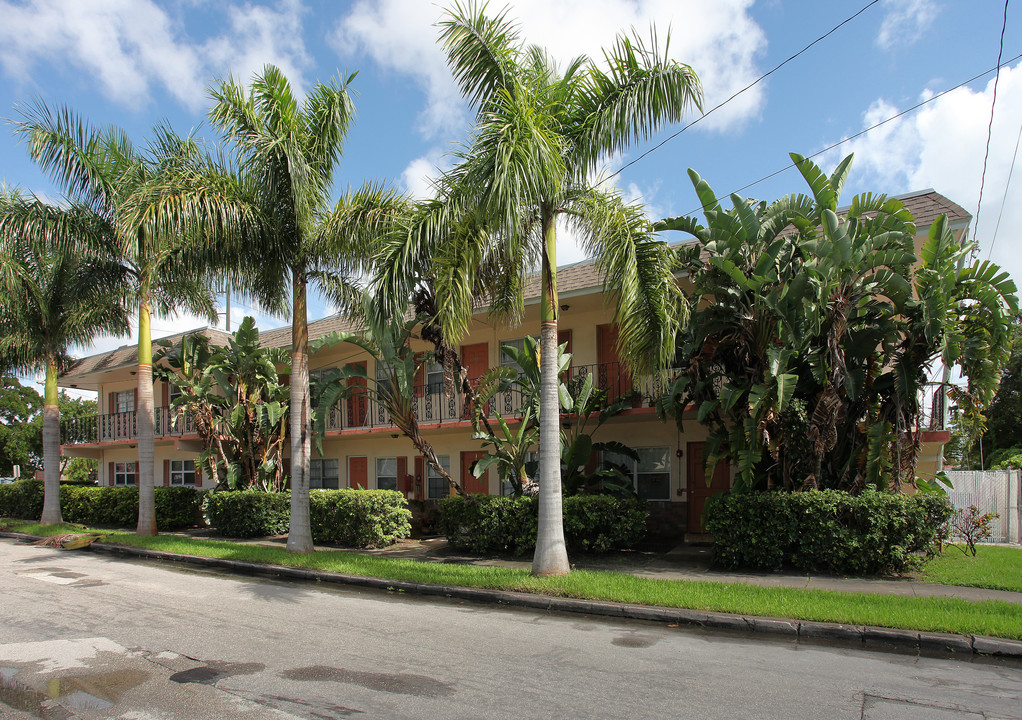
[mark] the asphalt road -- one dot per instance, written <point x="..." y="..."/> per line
<point x="88" y="636"/>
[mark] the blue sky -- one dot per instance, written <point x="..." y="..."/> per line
<point x="135" y="62"/>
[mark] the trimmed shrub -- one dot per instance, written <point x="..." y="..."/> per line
<point x="359" y="518"/>
<point x="115" y="507"/>
<point x="22" y="500"/>
<point x="485" y="524"/>
<point x="353" y="518"/>
<point x="824" y="530"/>
<point x="248" y="513"/>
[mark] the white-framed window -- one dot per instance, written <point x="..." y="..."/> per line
<point x="124" y="401"/>
<point x="386" y="473"/>
<point x="182" y="472"/>
<point x="505" y="361"/>
<point x="651" y="475"/>
<point x="324" y="473"/>
<point x="173" y="393"/>
<point x="434" y="378"/>
<point x="316" y="376"/>
<point x="383" y="373"/>
<point x="124" y="473"/>
<point x="436" y="485"/>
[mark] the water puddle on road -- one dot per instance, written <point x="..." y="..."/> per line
<point x="400" y="683"/>
<point x="215" y="670"/>
<point x="94" y="691"/>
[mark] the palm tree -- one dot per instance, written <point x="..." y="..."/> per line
<point x="539" y="137"/>
<point x="103" y="175"/>
<point x="289" y="235"/>
<point x="50" y="300"/>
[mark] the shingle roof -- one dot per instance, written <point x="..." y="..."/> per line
<point x="925" y="206"/>
<point x="127" y="355"/>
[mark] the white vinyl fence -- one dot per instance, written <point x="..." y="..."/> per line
<point x="990" y="491"/>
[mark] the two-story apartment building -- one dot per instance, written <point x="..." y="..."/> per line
<point x="363" y="449"/>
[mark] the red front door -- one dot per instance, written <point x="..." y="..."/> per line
<point x="470" y="482"/>
<point x="358" y="473"/>
<point x="698" y="490"/>
<point x="476" y="360"/>
<point x="358" y="403"/>
<point x="611" y="375"/>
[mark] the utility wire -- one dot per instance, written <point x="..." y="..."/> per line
<point x="747" y="87"/>
<point x="872" y="127"/>
<point x="1004" y="200"/>
<point x="990" y="125"/>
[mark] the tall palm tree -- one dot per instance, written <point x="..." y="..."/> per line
<point x="103" y="174"/>
<point x="539" y="137"/>
<point x="289" y="235"/>
<point x="50" y="300"/>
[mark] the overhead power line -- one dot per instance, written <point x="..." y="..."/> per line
<point x="747" y="87"/>
<point x="873" y="127"/>
<point x="1004" y="200"/>
<point x="990" y="124"/>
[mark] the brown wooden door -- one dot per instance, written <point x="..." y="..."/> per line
<point x="698" y="490"/>
<point x="611" y="375"/>
<point x="358" y="473"/>
<point x="358" y="402"/>
<point x="470" y="482"/>
<point x="476" y="360"/>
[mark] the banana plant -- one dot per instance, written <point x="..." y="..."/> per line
<point x="812" y="332"/>
<point x="234" y="397"/>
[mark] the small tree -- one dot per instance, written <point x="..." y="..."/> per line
<point x="234" y="398"/>
<point x="387" y="341"/>
<point x="577" y="400"/>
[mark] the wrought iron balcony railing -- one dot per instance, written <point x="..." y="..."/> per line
<point x="360" y="412"/>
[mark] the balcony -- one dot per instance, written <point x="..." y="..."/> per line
<point x="433" y="407"/>
<point x="361" y="413"/>
<point x="115" y="427"/>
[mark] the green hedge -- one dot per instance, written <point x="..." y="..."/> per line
<point x="824" y="530"/>
<point x="248" y="513"/>
<point x="490" y="524"/>
<point x="176" y="507"/>
<point x="353" y="518"/>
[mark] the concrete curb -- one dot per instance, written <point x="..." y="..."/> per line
<point x="930" y="644"/>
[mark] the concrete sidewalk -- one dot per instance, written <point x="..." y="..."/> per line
<point x="694" y="562"/>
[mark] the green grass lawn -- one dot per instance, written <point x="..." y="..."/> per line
<point x="999" y="619"/>
<point x="995" y="567"/>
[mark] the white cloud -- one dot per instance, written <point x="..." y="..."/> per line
<point x="259" y="36"/>
<point x="419" y="177"/>
<point x="125" y="44"/>
<point x="905" y="22"/>
<point x="129" y="46"/>
<point x="941" y="146"/>
<point x="719" y="40"/>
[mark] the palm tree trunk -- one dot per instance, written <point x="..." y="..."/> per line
<point x="551" y="557"/>
<point x="299" y="538"/>
<point x="51" y="448"/>
<point x="144" y="427"/>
